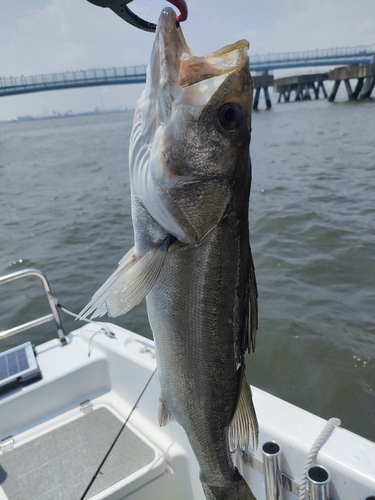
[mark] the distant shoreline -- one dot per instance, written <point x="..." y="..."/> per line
<point x="29" y="118"/>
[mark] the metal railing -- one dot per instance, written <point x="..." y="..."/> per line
<point x="312" y="55"/>
<point x="362" y="54"/>
<point x="72" y="79"/>
<point x="52" y="316"/>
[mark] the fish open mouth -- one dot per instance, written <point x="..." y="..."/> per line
<point x="183" y="69"/>
<point x="194" y="69"/>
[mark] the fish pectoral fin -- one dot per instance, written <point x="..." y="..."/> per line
<point x="165" y="416"/>
<point x="129" y="284"/>
<point x="244" y="420"/>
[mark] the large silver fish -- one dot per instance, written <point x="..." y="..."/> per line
<point x="190" y="175"/>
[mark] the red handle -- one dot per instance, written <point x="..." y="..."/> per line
<point x="182" y="7"/>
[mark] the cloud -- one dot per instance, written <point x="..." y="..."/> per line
<point x="324" y="24"/>
<point x="66" y="35"/>
<point x="46" y="36"/>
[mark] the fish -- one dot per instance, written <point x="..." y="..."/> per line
<point x="190" y="175"/>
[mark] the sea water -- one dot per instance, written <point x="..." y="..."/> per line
<point x="65" y="209"/>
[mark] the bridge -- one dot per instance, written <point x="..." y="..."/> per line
<point x="363" y="54"/>
<point x="72" y="80"/>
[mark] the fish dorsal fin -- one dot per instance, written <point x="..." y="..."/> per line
<point x="129" y="284"/>
<point x="165" y="416"/>
<point x="244" y="420"/>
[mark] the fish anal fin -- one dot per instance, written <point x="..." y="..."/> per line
<point x="244" y="421"/>
<point x="165" y="416"/>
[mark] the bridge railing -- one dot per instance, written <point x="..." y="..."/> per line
<point x="362" y="54"/>
<point x="334" y="53"/>
<point x="70" y="77"/>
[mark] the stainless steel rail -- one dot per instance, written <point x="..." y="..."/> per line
<point x="272" y="472"/>
<point x="318" y="482"/>
<point x="271" y="452"/>
<point x="53" y="316"/>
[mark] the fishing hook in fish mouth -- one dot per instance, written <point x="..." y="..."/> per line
<point x="120" y="8"/>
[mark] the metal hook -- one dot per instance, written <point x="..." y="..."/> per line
<point x="120" y="8"/>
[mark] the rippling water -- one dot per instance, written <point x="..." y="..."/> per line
<point x="65" y="209"/>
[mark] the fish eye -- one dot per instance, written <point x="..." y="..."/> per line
<point x="230" y="116"/>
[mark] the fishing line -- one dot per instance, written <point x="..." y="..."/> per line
<point x="76" y="316"/>
<point x="117" y="437"/>
<point x="104" y="328"/>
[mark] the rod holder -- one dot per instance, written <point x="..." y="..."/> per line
<point x="318" y="479"/>
<point x="271" y="452"/>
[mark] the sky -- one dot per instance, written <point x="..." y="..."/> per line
<point x="46" y="36"/>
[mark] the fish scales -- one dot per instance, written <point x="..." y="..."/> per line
<point x="190" y="177"/>
<point x="191" y="365"/>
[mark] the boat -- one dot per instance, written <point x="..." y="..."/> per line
<point x="79" y="420"/>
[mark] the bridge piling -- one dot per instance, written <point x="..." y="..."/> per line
<point x="267" y="98"/>
<point x="367" y="88"/>
<point x="334" y="90"/>
<point x="320" y="87"/>
<point x="262" y="82"/>
<point x="256" y="98"/>
<point x="358" y="88"/>
<point x="301" y="85"/>
<point x="353" y="95"/>
<point x="349" y="89"/>
<point x="364" y="74"/>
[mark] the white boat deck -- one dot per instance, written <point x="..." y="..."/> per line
<point x="60" y="463"/>
<point x="46" y="417"/>
<point x="57" y="448"/>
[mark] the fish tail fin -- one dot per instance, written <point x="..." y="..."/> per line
<point x="237" y="489"/>
<point x="244" y="420"/>
<point x="128" y="285"/>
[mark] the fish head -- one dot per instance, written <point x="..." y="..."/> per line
<point x="190" y="141"/>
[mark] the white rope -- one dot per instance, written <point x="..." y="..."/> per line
<point x="318" y="443"/>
